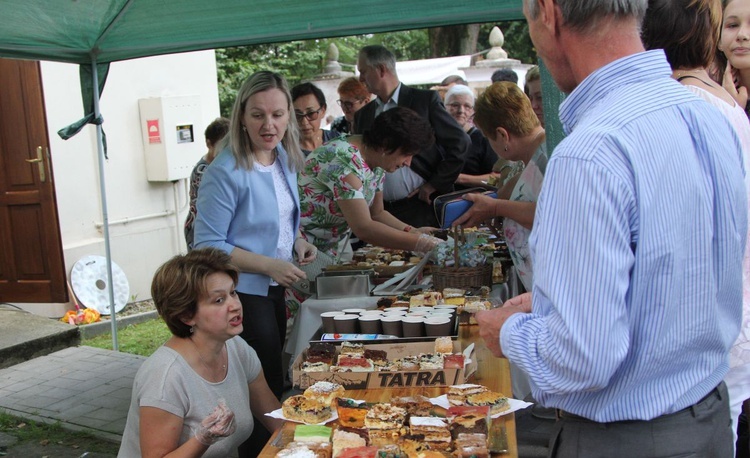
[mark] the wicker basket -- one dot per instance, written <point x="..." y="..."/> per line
<point x="460" y="277"/>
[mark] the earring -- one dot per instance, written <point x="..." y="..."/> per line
<point x="192" y="329"/>
<point x="506" y="147"/>
<point x="244" y="129"/>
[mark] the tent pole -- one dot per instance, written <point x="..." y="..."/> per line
<point x="105" y="216"/>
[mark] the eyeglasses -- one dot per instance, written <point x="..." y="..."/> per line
<point x="347" y="105"/>
<point x="310" y="115"/>
<point x="456" y="106"/>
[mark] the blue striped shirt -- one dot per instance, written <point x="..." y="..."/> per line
<point x="637" y="249"/>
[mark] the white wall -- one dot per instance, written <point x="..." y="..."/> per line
<point x="138" y="247"/>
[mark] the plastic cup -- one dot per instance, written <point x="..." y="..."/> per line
<point x="413" y="326"/>
<point x="394" y="313"/>
<point x="346" y="324"/>
<point x="436" y="326"/>
<point x="447" y="313"/>
<point x="370" y="324"/>
<point x="353" y="311"/>
<point x="327" y="318"/>
<point x="371" y="313"/>
<point x="392" y="325"/>
<point x="396" y="309"/>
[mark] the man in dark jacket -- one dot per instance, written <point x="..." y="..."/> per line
<point x="409" y="191"/>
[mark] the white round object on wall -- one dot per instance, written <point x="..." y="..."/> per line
<point x="89" y="280"/>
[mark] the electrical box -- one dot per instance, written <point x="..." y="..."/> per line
<point x="172" y="136"/>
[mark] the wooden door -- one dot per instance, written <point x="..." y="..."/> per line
<point x="31" y="261"/>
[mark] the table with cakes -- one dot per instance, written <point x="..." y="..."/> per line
<point x="403" y="373"/>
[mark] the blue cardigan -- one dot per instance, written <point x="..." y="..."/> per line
<point x="237" y="208"/>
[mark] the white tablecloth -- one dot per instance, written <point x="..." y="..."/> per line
<point x="308" y="319"/>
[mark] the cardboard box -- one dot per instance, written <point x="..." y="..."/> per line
<point x="388" y="379"/>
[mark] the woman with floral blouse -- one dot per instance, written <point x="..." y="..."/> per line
<point x="341" y="185"/>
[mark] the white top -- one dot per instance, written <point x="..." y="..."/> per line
<point x="166" y="381"/>
<point x="739" y="354"/>
<point x="286" y="209"/>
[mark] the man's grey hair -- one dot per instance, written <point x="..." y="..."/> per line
<point x="375" y="55"/>
<point x="459" y="89"/>
<point x="582" y="14"/>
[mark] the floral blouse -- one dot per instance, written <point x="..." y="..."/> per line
<point x="321" y="185"/>
<point x="527" y="189"/>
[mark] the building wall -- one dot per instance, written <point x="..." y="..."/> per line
<point x="138" y="246"/>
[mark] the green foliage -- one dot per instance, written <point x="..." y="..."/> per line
<point x="300" y="61"/>
<point x="138" y="339"/>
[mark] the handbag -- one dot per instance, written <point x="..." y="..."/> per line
<point x="449" y="207"/>
<point x="315" y="268"/>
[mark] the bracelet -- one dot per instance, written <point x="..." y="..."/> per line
<point x="408" y="228"/>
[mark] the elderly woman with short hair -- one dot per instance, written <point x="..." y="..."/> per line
<point x="505" y="116"/>
<point x="482" y="165"/>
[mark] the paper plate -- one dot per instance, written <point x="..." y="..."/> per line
<point x="89" y="280"/>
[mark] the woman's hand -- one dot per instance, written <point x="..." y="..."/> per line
<point x="426" y="243"/>
<point x="483" y="208"/>
<point x="284" y="273"/>
<point x="216" y="426"/>
<point x="732" y="85"/>
<point x="305" y="251"/>
<point x="424" y="229"/>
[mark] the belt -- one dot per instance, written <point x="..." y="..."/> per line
<point x="561" y="414"/>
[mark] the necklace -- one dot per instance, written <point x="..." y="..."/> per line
<point x="203" y="361"/>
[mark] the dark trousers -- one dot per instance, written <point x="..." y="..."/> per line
<point x="701" y="430"/>
<point x="412" y="211"/>
<point x="264" y="329"/>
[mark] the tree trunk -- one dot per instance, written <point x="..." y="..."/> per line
<point x="455" y="40"/>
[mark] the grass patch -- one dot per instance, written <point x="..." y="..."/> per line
<point x="43" y="434"/>
<point x="138" y="339"/>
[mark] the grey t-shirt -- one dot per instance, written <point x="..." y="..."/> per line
<point x="166" y="381"/>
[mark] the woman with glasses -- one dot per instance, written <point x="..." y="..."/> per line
<point x="353" y="95"/>
<point x="482" y="165"/>
<point x="248" y="207"/>
<point x="310" y="110"/>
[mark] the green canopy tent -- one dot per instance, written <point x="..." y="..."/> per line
<point x="93" y="33"/>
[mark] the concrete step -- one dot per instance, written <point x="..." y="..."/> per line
<point x="25" y="336"/>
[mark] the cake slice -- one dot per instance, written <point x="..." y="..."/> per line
<point x="305" y="410"/>
<point x="443" y="345"/>
<point x="469" y="419"/>
<point x="352" y="348"/>
<point x="324" y="392"/>
<point x="359" y="452"/>
<point x="457" y="394"/>
<point x="454" y="361"/>
<point x="435" y="430"/>
<point x="351" y="414"/>
<point x="430" y="361"/>
<point x="312" y="433"/>
<point x="471" y="446"/>
<point x="319" y="366"/>
<point x="385" y="416"/>
<point x="305" y="450"/>
<point x="343" y="440"/>
<point x="496" y="401"/>
<point x="417" y="405"/>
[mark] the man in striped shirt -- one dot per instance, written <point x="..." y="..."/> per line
<point x="637" y="247"/>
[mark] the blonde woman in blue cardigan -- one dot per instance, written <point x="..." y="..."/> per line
<point x="248" y="206"/>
